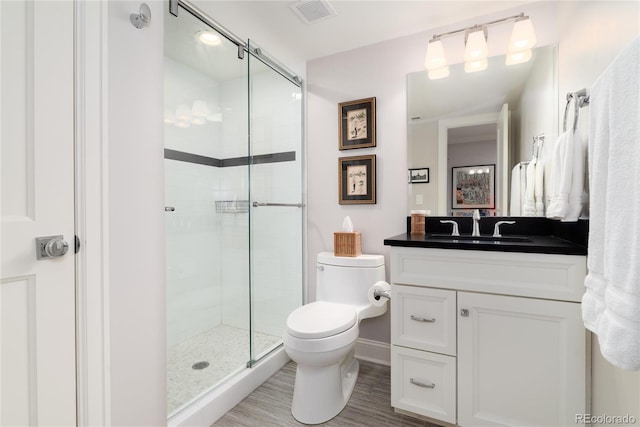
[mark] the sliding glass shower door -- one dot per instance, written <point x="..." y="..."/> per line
<point x="275" y="136"/>
<point x="232" y="156"/>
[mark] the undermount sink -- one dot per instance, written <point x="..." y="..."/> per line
<point x="486" y="238"/>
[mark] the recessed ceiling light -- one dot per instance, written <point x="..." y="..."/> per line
<point x="209" y="38"/>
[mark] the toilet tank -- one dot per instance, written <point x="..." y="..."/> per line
<point x="347" y="280"/>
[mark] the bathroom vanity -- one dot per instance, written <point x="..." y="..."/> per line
<point x="488" y="336"/>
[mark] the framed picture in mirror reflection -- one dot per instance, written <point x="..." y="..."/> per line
<point x="419" y="176"/>
<point x="357" y="124"/>
<point x="473" y="187"/>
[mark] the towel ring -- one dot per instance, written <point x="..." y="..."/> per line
<point x="581" y="99"/>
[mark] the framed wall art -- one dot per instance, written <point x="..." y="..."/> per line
<point x="473" y="187"/>
<point x="357" y="124"/>
<point x="357" y="180"/>
<point x="419" y="175"/>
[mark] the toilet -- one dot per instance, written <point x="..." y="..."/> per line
<point x="321" y="336"/>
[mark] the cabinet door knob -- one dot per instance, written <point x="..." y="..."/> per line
<point x="422" y="319"/>
<point x="422" y="384"/>
<point x="464" y="312"/>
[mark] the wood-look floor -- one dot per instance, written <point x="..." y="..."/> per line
<point x="270" y="404"/>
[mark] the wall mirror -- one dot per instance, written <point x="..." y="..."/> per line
<point x="483" y="118"/>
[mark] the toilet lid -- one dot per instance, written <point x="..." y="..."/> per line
<point x="320" y="319"/>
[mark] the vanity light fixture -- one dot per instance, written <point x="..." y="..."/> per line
<point x="522" y="39"/>
<point x="209" y="38"/>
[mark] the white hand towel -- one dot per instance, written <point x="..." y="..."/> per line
<point x="561" y="173"/>
<point x="611" y="303"/>
<point x="515" y="203"/>
<point x="539" y="187"/>
<point x="574" y="209"/>
<point x="529" y="204"/>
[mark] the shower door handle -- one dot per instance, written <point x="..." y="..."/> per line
<point x="290" y="205"/>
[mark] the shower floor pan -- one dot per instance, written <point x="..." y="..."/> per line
<point x="224" y="348"/>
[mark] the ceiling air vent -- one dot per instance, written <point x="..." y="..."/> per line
<point x="312" y="11"/>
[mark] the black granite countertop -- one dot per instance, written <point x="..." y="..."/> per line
<point x="530" y="235"/>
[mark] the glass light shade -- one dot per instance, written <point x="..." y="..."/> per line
<point x="518" y="57"/>
<point x="522" y="37"/>
<point x="215" y="117"/>
<point x="473" y="66"/>
<point x="476" y="47"/>
<point x="435" y="57"/>
<point x="183" y="113"/>
<point x="439" y="73"/>
<point x="209" y="38"/>
<point x="199" y="108"/>
<point x="169" y="116"/>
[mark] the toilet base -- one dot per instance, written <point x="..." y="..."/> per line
<point x="321" y="393"/>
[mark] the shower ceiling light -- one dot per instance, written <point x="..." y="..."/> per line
<point x="209" y="38"/>
<point x="522" y="39"/>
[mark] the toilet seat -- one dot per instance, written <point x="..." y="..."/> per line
<point x="321" y="319"/>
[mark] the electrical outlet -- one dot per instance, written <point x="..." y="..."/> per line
<point x="419" y="199"/>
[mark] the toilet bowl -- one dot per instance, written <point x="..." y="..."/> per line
<point x="321" y="336"/>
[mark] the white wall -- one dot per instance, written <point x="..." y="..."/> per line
<point x="379" y="70"/>
<point x="585" y="51"/>
<point x="136" y="218"/>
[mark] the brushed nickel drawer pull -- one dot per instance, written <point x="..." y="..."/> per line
<point x="423" y="319"/>
<point x="421" y="384"/>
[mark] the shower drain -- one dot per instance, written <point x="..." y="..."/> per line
<point x="200" y="365"/>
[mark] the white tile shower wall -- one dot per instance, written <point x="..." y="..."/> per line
<point x="182" y="87"/>
<point x="193" y="285"/>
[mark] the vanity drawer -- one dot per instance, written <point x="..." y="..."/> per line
<point x="424" y="318"/>
<point x="424" y="383"/>
<point x="557" y="277"/>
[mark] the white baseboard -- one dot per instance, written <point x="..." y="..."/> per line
<point x="373" y="351"/>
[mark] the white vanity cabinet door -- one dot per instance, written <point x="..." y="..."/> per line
<point x="521" y="361"/>
<point x="424" y="383"/>
<point x="424" y="318"/>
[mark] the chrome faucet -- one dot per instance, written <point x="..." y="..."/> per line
<point x="476" y="223"/>
<point x="455" y="231"/>
<point x="496" y="228"/>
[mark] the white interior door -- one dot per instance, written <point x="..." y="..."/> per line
<point x="37" y="297"/>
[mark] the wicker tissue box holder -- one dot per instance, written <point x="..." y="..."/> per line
<point x="347" y="244"/>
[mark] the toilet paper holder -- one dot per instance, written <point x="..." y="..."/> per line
<point x="380" y="293"/>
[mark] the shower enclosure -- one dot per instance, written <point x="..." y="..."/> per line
<point x="233" y="190"/>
